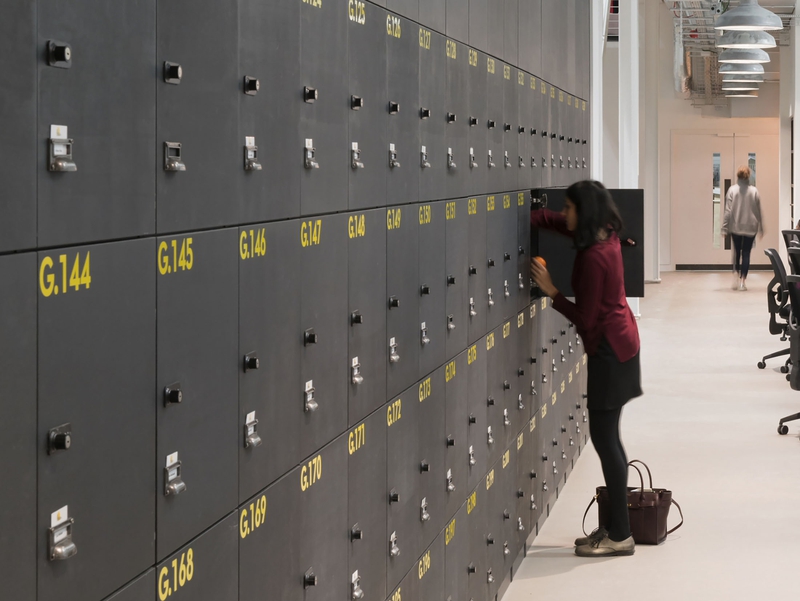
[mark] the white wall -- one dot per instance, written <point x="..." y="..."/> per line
<point x="611" y="115"/>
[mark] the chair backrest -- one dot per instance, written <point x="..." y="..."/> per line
<point x="777" y="292"/>
<point x="793" y="282"/>
<point x="792" y="240"/>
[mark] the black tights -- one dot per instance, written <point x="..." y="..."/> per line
<point x="604" y="430"/>
<point x="742" y="245"/>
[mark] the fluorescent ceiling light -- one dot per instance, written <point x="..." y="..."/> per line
<point x="741" y="69"/>
<point x="743" y="56"/>
<point x="746" y="39"/>
<point x="742" y="79"/>
<point x="749" y="16"/>
<point x="742" y="95"/>
<point x="739" y="88"/>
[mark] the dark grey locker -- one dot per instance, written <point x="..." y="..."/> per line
<point x="324" y="104"/>
<point x="367" y="39"/>
<point x="549" y="461"/>
<point x="432" y="14"/>
<point x="425" y="580"/>
<point x="366" y="312"/>
<point x="523" y="487"/>
<point x="586" y="164"/>
<point x="402" y="108"/>
<point x="511" y="546"/>
<point x="106" y="106"/>
<point x="530" y="35"/>
<point x="433" y="446"/>
<point x="515" y="408"/>
<point x="366" y="466"/>
<point x="550" y="149"/>
<point x="511" y="31"/>
<point x="269" y="111"/>
<point x="269" y="540"/>
<point x="456" y="422"/>
<point x="206" y="568"/>
<point x="96" y="334"/>
<point x="457" y="274"/>
<point x="497" y="416"/>
<point x="535" y="131"/>
<point x="561" y="154"/>
<point x="495" y="124"/>
<point x="479" y="24"/>
<point x="198" y="181"/>
<point x="433" y="115"/>
<point x="478" y="575"/>
<point x="477" y="421"/>
<point x="510" y="291"/>
<point x="197" y="409"/>
<point x="522" y="371"/>
<point x="569" y="45"/>
<point x="478" y="269"/>
<point x="406" y="8"/>
<point x="493" y="301"/>
<point x="533" y="468"/>
<point x="496" y="28"/>
<point x="432" y="284"/>
<point x="546" y="361"/>
<point x="269" y="355"/>
<point x="18" y="532"/>
<point x="456" y="556"/>
<point x="583" y="56"/>
<point x="457" y="118"/>
<point x="511" y="134"/>
<point x="494" y="529"/>
<point x="323" y="334"/>
<point x="323" y="532"/>
<point x="140" y="589"/>
<point x="457" y="15"/>
<point x="553" y="42"/>
<point x="525" y="160"/>
<point x="477" y="167"/>
<point x="18" y="121"/>
<point x="402" y="298"/>
<point x="523" y="280"/>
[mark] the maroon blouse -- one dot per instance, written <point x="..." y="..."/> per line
<point x="600" y="307"/>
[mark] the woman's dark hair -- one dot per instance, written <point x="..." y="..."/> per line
<point x="596" y="211"/>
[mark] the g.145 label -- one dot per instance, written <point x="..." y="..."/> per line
<point x="175" y="255"/>
<point x="77" y="277"/>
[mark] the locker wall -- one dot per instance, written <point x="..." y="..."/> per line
<point x="274" y="334"/>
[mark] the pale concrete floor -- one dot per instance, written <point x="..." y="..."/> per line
<point x="707" y="427"/>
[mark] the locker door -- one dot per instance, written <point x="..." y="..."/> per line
<point x="432" y="284"/>
<point x="432" y="14"/>
<point x="18" y="461"/>
<point x="323" y="330"/>
<point x="575" y="133"/>
<point x="495" y="27"/>
<point x="477" y="160"/>
<point x="522" y="370"/>
<point x="105" y="105"/>
<point x="96" y="333"/>
<point x="478" y="574"/>
<point x="433" y="116"/>
<point x="511" y="135"/>
<point x="426" y="578"/>
<point x="198" y="182"/>
<point x="269" y="52"/>
<point x="206" y="567"/>
<point x="477" y="423"/>
<point x="457" y="13"/>
<point x="496" y="414"/>
<point x="407" y="8"/>
<point x="141" y="588"/>
<point x="367" y="506"/>
<point x="528" y="24"/>
<point x="18" y="122"/>
<point x="495" y="529"/>
<point x="535" y="131"/>
<point x="550" y="472"/>
<point x="402" y="294"/>
<point x="323" y="534"/>
<point x="495" y="109"/>
<point x="433" y="446"/>
<point x="563" y="150"/>
<point x="523" y="488"/>
<point x="478" y="270"/>
<point x="196" y="384"/>
<point x="518" y="396"/>
<point x="587" y="134"/>
<point x="323" y="112"/>
<point x="456" y="557"/>
<point x="366" y="312"/>
<point x="507" y="378"/>
<point x="457" y="274"/>
<point x="479" y="24"/>
<point x="526" y="139"/>
<point x="269" y="354"/>
<point x="511" y="31"/>
<point x="493" y="301"/>
<point x="550" y="122"/>
<point x="523" y="280"/>
<point x="457" y="115"/>
<point x="510" y="290"/>
<point x="534" y="470"/>
<point x="367" y="39"/>
<point x="403" y="48"/>
<point x="457" y="409"/>
<point x="508" y="495"/>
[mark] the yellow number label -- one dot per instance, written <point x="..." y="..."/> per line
<point x="182" y="574"/>
<point x="175" y="255"/>
<point x="424" y="38"/>
<point x="543" y="88"/>
<point x="472" y="502"/>
<point x="521" y="199"/>
<point x="80" y="277"/>
<point x="394" y="412"/>
<point x="393" y="26"/>
<point x="532" y="424"/>
<point x="552" y="92"/>
<point x="578" y="368"/>
<point x="544" y="410"/>
<point x="356" y="226"/>
<point x="451" y="49"/>
<point x="424" y="390"/>
<point x="472" y="206"/>
<point x="506" y="330"/>
<point x="544" y="303"/>
<point x="473" y="57"/>
<point x="393" y="218"/>
<point x="563" y="386"/>
<point x="520" y="440"/>
<point x="252" y="243"/>
<point x="253" y="518"/>
<point x="506" y="459"/>
<point x="424" y="565"/>
<point x="450" y="371"/>
<point x="506" y="201"/>
<point x="533" y="311"/>
<point x="425" y="214"/>
<point x="490" y="341"/>
<point x="570" y="377"/>
<point x="311" y="473"/>
<point x="450" y="532"/>
<point x="490" y="203"/>
<point x="554" y="398"/>
<point x="396" y="595"/>
<point x="314" y="3"/>
<point x="357" y="438"/>
<point x="490" y="65"/>
<point x="489" y="479"/>
<point x="520" y="78"/>
<point x="507" y="72"/>
<point x="450" y="211"/>
<point x="311" y="233"/>
<point x="533" y="83"/>
<point x="520" y="320"/>
<point x="472" y="354"/>
<point x="357" y="11"/>
<point x="584" y="358"/>
<point x="584" y="105"/>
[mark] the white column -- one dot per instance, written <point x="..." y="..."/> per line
<point x="599" y="27"/>
<point x="648" y="162"/>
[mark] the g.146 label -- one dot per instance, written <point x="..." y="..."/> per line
<point x="252" y="243"/>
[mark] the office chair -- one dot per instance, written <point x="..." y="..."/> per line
<point x="792" y="240"/>
<point x="779" y="307"/>
<point x="793" y="282"/>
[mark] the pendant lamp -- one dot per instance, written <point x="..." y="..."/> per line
<point x="746" y="39"/>
<point x="742" y="79"/>
<point x="743" y="56"/>
<point x="739" y="87"/>
<point x="739" y="69"/>
<point x="749" y="16"/>
<point x="742" y="95"/>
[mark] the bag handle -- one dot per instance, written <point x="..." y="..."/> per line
<point x="585" y="513"/>
<point x="674" y="502"/>
<point x="649" y="473"/>
<point x="641" y="480"/>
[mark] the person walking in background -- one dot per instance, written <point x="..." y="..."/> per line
<point x="743" y="221"/>
<point x="606" y="324"/>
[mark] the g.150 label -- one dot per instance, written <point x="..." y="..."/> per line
<point x="78" y="276"/>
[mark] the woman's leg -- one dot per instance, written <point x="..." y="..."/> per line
<point x="747" y="246"/>
<point x="604" y="430"/>
<point x="737" y="253"/>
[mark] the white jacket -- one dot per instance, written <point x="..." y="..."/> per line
<point x="742" y="211"/>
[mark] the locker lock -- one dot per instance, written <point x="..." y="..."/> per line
<point x="489" y="541"/>
<point x="571" y="350"/>
<point x="491" y="162"/>
<point x="506" y="256"/>
<point x="472" y="420"/>
<point x="394" y="302"/>
<point x="451" y="442"/>
<point x="59" y="54"/>
<point x="521" y="129"/>
<point x="451" y="323"/>
<point x="533" y="162"/>
<point x="173" y="73"/>
<point x="490" y="401"/>
<point x="563" y="429"/>
<point x="491" y="124"/>
<point x="61" y="158"/>
<point x="544" y="134"/>
<point x="355" y="156"/>
<point x="356" y="533"/>
<point x="473" y="121"/>
<point x="473" y="270"/>
<point x="309" y="578"/>
<point x="309" y="403"/>
<point x="251" y="85"/>
<point x="555" y="469"/>
<point x="173" y="157"/>
<point x="521" y="162"/>
<point x="310" y="337"/>
<point x="471" y="568"/>
<point x="552" y="136"/>
<point x="489" y="577"/>
<point x="553" y="340"/>
<point x="544" y="457"/>
<point x="553" y="161"/>
<point x="583" y="142"/>
<point x="533" y="388"/>
<point x="251" y="155"/>
<point x="585" y="419"/>
<point x="173" y="394"/>
<point x="393" y="162"/>
<point x="424" y="290"/>
<point x="394" y="357"/>
<point x="394" y="107"/>
<point x="563" y="358"/>
<point x="506" y="385"/>
<point x="521" y="282"/>
<point x="490" y="438"/>
<point x="544" y="486"/>
<point x="506" y="160"/>
<point x="506" y="550"/>
<point x="472" y="162"/>
<point x="571" y="417"/>
<point x="472" y="460"/>
<point x="355" y="377"/>
<point x="424" y="113"/>
<point x="451" y="118"/>
<point x="451" y="280"/>
<point x="533" y="503"/>
<point x="533" y="131"/>
<point x="555" y="442"/>
<point x="424" y="158"/>
<point x="506" y="514"/>
<point x="520" y="493"/>
<point x="533" y="475"/>
<point x="490" y="262"/>
<point x="506" y="127"/>
<point x="571" y="442"/>
<point x="491" y="298"/>
<point x="424" y="338"/>
<point x="424" y="516"/>
<point x="251" y="437"/>
<point x="451" y="164"/>
<point x="356" y="103"/>
<point x="451" y="487"/>
<point x="561" y="162"/>
<point x="520" y="525"/>
<point x="561" y="138"/>
<point x="506" y="418"/>
<point x="506" y="292"/>
<point x="424" y="467"/>
<point x="60" y="535"/>
<point x="310" y="155"/>
<point x="520" y="404"/>
<point x="393" y="496"/>
<point x="173" y="483"/>
<point x="356" y="318"/>
<point x="356" y="591"/>
<point x="59" y="439"/>
<point x="472" y="311"/>
<point x="544" y="162"/>
<point x="310" y="95"/>
<point x="394" y="550"/>
<point x="570" y="140"/>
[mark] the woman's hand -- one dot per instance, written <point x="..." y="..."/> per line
<point x="542" y="278"/>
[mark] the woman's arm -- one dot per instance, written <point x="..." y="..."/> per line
<point x="550" y="220"/>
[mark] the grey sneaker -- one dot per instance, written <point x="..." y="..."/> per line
<point x="597" y="534"/>
<point x="606" y="548"/>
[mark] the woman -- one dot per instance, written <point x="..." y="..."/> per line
<point x="743" y="221"/>
<point x="611" y="338"/>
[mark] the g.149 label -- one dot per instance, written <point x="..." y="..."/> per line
<point x="77" y="277"/>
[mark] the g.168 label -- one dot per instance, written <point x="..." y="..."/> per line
<point x="182" y="574"/>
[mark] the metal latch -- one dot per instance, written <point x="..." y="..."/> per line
<point x="506" y="418"/>
<point x="490" y="438"/>
<point x="491" y="162"/>
<point x="61" y="159"/>
<point x="472" y="460"/>
<point x="489" y="576"/>
<point x="251" y="361"/>
<point x="424" y="158"/>
<point x="251" y="155"/>
<point x="251" y="85"/>
<point x="394" y="357"/>
<point x="173" y="157"/>
<point x="520" y="404"/>
<point x="563" y="357"/>
<point x="506" y="292"/>
<point x="561" y="162"/>
<point x="491" y="298"/>
<point x="533" y="162"/>
<point x="173" y="73"/>
<point x="355" y="157"/>
<point x="251" y="437"/>
<point x="424" y="334"/>
<point x="60" y="535"/>
<point x="394" y="550"/>
<point x="451" y="164"/>
<point x="393" y="162"/>
<point x="506" y="160"/>
<point x="355" y="587"/>
<point x="310" y="154"/>
<point x="506" y="550"/>
<point x="310" y="404"/>
<point x="451" y="323"/>
<point x="309" y="578"/>
<point x="59" y="54"/>
<point x="521" y="282"/>
<point x="450" y="484"/>
<point x="520" y="525"/>
<point x="424" y="516"/>
<point x="472" y="162"/>
<point x="173" y="484"/>
<point x="569" y="162"/>
<point x="555" y="369"/>
<point x="544" y="485"/>
<point x="59" y="439"/>
<point x="472" y="311"/>
<point x="533" y="503"/>
<point x="173" y="394"/>
<point x="356" y="376"/>
<point x="555" y="469"/>
<point x="521" y="162"/>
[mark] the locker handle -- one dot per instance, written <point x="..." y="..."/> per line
<point x="555" y="442"/>
<point x="356" y="103"/>
<point x="251" y="361"/>
<point x="394" y="302"/>
<point x="309" y="578"/>
<point x="544" y="134"/>
<point x="355" y="157"/>
<point x="490" y="541"/>
<point x="533" y="161"/>
<point x="251" y="85"/>
<point x="473" y="270"/>
<point x="490" y="401"/>
<point x="506" y="127"/>
<point x="356" y="533"/>
<point x="310" y="337"/>
<point x="506" y="160"/>
<point x="451" y="442"/>
<point x="356" y="318"/>
<point x="561" y="138"/>
<point x="521" y="129"/>
<point x="506" y="256"/>
<point x="533" y="360"/>
<point x="173" y="394"/>
<point x="570" y="140"/>
<point x="451" y="322"/>
<point x="491" y="262"/>
<point x="451" y="163"/>
<point x="491" y="162"/>
<point x="522" y="162"/>
<point x="173" y="73"/>
<point x="424" y="467"/>
<point x="64" y="548"/>
<point x="172" y="157"/>
<point x="451" y="118"/>
<point x="473" y="121"/>
<point x="393" y="496"/>
<point x="451" y="280"/>
<point x="520" y="372"/>
<point x="491" y="124"/>
<point x="473" y="419"/>
<point x="471" y="568"/>
<point x="424" y="113"/>
<point x="506" y="385"/>
<point x="563" y="429"/>
<point x="394" y="107"/>
<point x="424" y="289"/>
<point x="506" y="514"/>
<point x="310" y="95"/>
<point x="251" y="157"/>
<point x="533" y="131"/>
<point x="59" y="54"/>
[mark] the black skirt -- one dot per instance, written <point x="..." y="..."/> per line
<point x="611" y="383"/>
